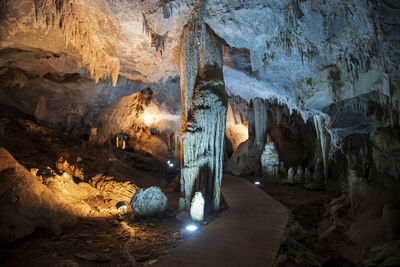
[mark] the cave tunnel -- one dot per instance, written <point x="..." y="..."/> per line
<point x="199" y="133"/>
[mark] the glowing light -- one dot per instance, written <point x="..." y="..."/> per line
<point x="257" y="183"/>
<point x="191" y="227"/>
<point x="171" y="165"/>
<point x="168" y="161"/>
<point x="147" y="118"/>
<point x="122" y="209"/>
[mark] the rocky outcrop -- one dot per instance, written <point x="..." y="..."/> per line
<point x="26" y="203"/>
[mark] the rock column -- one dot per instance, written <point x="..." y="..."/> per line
<point x="203" y="117"/>
<point x="258" y="130"/>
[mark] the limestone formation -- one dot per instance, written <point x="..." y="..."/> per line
<point x="197" y="207"/>
<point x="108" y="188"/>
<point x="148" y="202"/>
<point x="270" y="160"/>
<point x="290" y="175"/>
<point x="203" y="113"/>
<point x="317" y="79"/>
<point x="26" y="203"/>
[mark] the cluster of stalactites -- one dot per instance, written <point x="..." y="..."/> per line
<point x="78" y="31"/>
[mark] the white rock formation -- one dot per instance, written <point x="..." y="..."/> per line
<point x="299" y="177"/>
<point x="148" y="202"/>
<point x="197" y="207"/>
<point x="290" y="175"/>
<point x="203" y="114"/>
<point x="270" y="160"/>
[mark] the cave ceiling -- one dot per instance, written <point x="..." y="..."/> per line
<point x="309" y="53"/>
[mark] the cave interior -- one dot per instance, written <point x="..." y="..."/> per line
<point x="199" y="133"/>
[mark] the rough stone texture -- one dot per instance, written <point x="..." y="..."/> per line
<point x="113" y="190"/>
<point x="270" y="160"/>
<point x="242" y="160"/>
<point x="203" y="114"/>
<point x="329" y="71"/>
<point x="26" y="203"/>
<point x="148" y="202"/>
<point x="290" y="175"/>
<point x="197" y="207"/>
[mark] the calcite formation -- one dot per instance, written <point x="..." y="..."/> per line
<point x="317" y="78"/>
<point x="203" y="113"/>
<point x="270" y="160"/>
<point x="197" y="207"/>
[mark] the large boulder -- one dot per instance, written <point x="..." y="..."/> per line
<point x="149" y="202"/>
<point x="242" y="161"/>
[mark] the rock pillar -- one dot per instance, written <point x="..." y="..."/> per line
<point x="258" y="130"/>
<point x="203" y="117"/>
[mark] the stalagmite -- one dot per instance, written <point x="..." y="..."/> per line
<point x="79" y="30"/>
<point x="197" y="207"/>
<point x="204" y="105"/>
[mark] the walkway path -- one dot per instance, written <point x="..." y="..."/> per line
<point x="249" y="233"/>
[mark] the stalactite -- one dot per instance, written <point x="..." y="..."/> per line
<point x="325" y="141"/>
<point x="260" y="123"/>
<point x="78" y="30"/>
<point x="203" y="115"/>
<point x="157" y="40"/>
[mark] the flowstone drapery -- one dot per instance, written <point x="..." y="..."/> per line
<point x="203" y="117"/>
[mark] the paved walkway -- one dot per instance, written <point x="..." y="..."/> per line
<point x="249" y="233"/>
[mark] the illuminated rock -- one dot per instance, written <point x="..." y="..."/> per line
<point x="270" y="159"/>
<point x="203" y="114"/>
<point x="111" y="189"/>
<point x="148" y="202"/>
<point x="27" y="203"/>
<point x="197" y="207"/>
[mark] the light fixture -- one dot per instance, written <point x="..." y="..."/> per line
<point x="257" y="183"/>
<point x="168" y="161"/>
<point x="191" y="227"/>
<point x="171" y="165"/>
<point x="122" y="209"/>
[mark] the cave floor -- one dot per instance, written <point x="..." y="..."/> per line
<point x="308" y="212"/>
<point x="100" y="238"/>
<point x="249" y="233"/>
